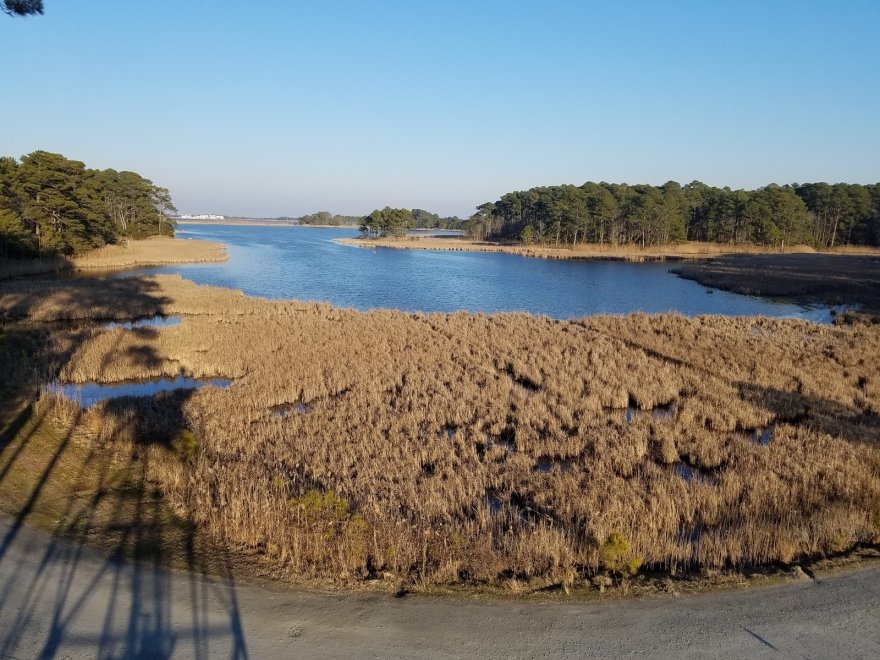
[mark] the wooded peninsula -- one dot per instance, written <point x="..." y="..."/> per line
<point x="820" y="215"/>
<point x="817" y="214"/>
<point x="51" y="205"/>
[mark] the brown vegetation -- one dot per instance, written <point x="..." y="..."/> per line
<point x="10" y="268"/>
<point x="631" y="252"/>
<point x="448" y="448"/>
<point x="837" y="279"/>
<point x="151" y="251"/>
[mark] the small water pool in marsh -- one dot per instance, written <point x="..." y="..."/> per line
<point x="88" y="394"/>
<point x="148" y="322"/>
<point x="306" y="263"/>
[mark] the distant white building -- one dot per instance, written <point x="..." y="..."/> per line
<point x="201" y="216"/>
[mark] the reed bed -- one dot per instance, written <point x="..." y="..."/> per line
<point x="680" y="251"/>
<point x="448" y="448"/>
<point x="10" y="268"/>
<point x="149" y="251"/>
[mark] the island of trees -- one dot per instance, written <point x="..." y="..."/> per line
<point x="395" y="222"/>
<point x="819" y="214"/>
<point x="325" y="219"/>
<point x="417" y="219"/>
<point x="51" y="205"/>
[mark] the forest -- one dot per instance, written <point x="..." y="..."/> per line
<point x="818" y="214"/>
<point x="51" y="205"/>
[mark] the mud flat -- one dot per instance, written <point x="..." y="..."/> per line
<point x="837" y="279"/>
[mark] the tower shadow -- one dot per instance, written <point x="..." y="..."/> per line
<point x="98" y="582"/>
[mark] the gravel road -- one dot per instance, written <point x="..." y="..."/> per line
<point x="59" y="599"/>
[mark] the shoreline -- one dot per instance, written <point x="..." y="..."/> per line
<point x="259" y="223"/>
<point x="238" y="223"/>
<point x="683" y="252"/>
<point x="153" y="251"/>
<point x="850" y="280"/>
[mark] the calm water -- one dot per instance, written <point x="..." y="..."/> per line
<point x="306" y="264"/>
<point x="88" y="394"/>
<point x="149" y="322"/>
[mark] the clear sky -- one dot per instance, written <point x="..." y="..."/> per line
<point x="283" y="108"/>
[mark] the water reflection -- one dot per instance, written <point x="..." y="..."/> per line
<point x="305" y="263"/>
<point x="762" y="438"/>
<point x="694" y="475"/>
<point x="632" y="413"/>
<point x="88" y="394"/>
<point x="149" y="322"/>
<point x="546" y="464"/>
<point x="286" y="409"/>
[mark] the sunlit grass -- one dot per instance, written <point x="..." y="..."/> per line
<point x="431" y="428"/>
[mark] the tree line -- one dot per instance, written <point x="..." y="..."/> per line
<point x="426" y="220"/>
<point x="818" y="214"/>
<point x="50" y="204"/>
<point x="326" y="218"/>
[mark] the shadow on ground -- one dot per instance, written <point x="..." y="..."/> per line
<point x="89" y="493"/>
<point x="80" y="298"/>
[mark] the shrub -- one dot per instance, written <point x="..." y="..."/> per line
<point x="185" y="444"/>
<point x="617" y="556"/>
<point x="317" y="507"/>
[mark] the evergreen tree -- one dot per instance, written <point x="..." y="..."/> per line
<point x="50" y="204"/>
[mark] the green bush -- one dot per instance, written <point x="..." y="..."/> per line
<point x="321" y="507"/>
<point x="616" y="556"/>
<point x="186" y="445"/>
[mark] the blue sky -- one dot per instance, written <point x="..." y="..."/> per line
<point x="285" y="108"/>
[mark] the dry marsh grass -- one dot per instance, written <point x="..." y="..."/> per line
<point x="446" y="448"/>
<point x="681" y="251"/>
<point x="151" y="251"/>
<point x="10" y="268"/>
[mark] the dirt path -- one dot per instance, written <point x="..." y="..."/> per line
<point x="59" y="599"/>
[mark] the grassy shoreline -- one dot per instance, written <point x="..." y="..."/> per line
<point x="154" y="251"/>
<point x="680" y="252"/>
<point x="435" y="451"/>
<point x="831" y="279"/>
